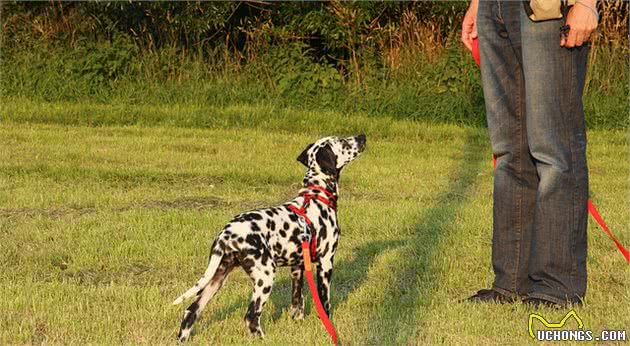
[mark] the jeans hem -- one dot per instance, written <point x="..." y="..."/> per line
<point x="553" y="299"/>
<point x="507" y="293"/>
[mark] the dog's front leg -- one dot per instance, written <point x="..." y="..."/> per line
<point x="324" y="277"/>
<point x="297" y="296"/>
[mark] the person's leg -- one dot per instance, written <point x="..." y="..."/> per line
<point x="554" y="81"/>
<point x="515" y="178"/>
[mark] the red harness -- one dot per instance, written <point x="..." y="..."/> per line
<point x="330" y="201"/>
<point x="309" y="250"/>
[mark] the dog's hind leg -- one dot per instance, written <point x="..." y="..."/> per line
<point x="203" y="297"/>
<point x="262" y="277"/>
<point x="297" y="297"/>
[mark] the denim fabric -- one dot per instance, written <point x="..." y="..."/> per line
<point x="533" y="95"/>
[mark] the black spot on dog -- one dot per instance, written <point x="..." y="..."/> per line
<point x="191" y="315"/>
<point x="295" y="237"/>
<point x="322" y="232"/>
<point x="266" y="257"/>
<point x="254" y="253"/>
<point x="254" y="227"/>
<point x="271" y="225"/>
<point x="325" y="251"/>
<point x="277" y="247"/>
<point x="254" y="240"/>
<point x="266" y="289"/>
<point x="248" y="217"/>
<point x="247" y="264"/>
<point x="296" y="256"/>
<point x="325" y="214"/>
<point x="328" y="274"/>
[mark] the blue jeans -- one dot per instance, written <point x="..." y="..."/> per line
<point x="533" y="96"/>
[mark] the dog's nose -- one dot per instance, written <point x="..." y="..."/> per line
<point x="361" y="138"/>
<point x="361" y="142"/>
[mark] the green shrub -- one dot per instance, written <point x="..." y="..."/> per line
<point x="394" y="59"/>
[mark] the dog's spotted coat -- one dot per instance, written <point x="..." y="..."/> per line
<point x="262" y="240"/>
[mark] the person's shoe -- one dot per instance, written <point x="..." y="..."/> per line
<point x="491" y="296"/>
<point x="544" y="303"/>
<point x="541" y="303"/>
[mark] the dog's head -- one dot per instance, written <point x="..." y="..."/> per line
<point x="330" y="155"/>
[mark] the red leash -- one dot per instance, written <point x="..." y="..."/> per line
<point x="591" y="207"/>
<point x="310" y="247"/>
<point x="593" y="211"/>
<point x="318" y="303"/>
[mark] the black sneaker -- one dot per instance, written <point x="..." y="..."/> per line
<point x="491" y="296"/>
<point x="541" y="303"/>
<point x="544" y="303"/>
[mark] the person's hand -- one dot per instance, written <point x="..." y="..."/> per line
<point x="469" y="24"/>
<point x="582" y="19"/>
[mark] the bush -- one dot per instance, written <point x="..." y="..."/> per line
<point x="400" y="59"/>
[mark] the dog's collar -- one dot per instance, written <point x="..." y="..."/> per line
<point x="331" y="201"/>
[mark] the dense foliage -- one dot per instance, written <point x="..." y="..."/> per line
<point x="395" y="58"/>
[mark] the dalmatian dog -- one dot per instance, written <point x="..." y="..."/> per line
<point x="262" y="240"/>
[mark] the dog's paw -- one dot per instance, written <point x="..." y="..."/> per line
<point x="183" y="335"/>
<point x="258" y="333"/>
<point x="297" y="314"/>
<point x="254" y="329"/>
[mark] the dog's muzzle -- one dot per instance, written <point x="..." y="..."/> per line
<point x="361" y="142"/>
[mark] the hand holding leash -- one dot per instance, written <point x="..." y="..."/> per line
<point x="469" y="25"/>
<point x="580" y="22"/>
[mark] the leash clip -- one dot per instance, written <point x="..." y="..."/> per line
<point x="305" y="235"/>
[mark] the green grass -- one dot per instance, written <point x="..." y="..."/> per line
<point x="73" y="87"/>
<point x="101" y="227"/>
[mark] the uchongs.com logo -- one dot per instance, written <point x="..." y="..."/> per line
<point x="553" y="331"/>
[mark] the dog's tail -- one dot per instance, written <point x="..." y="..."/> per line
<point x="215" y="261"/>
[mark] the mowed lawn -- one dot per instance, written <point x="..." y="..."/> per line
<point x="102" y="227"/>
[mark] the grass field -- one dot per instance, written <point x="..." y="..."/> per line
<point x="101" y="227"/>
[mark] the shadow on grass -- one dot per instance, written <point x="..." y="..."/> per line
<point x="395" y="319"/>
<point x="347" y="276"/>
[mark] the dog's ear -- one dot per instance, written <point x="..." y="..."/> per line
<point x="327" y="160"/>
<point x="303" y="158"/>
